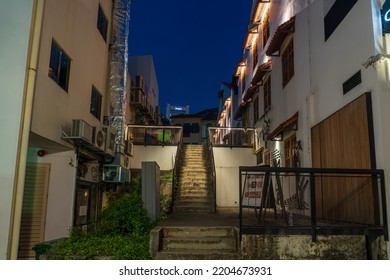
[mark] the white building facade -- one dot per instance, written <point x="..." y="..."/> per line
<point x="314" y="81"/>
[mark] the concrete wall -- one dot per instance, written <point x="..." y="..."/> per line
<point x="72" y="24"/>
<point x="227" y="161"/>
<point x="164" y="156"/>
<point x="340" y="247"/>
<point x="14" y="46"/>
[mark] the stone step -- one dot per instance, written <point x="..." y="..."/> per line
<point x="219" y="243"/>
<point x="205" y="231"/>
<point x="190" y="209"/>
<point x="195" y="203"/>
<point x="197" y="255"/>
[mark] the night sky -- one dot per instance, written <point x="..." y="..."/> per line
<point x="195" y="46"/>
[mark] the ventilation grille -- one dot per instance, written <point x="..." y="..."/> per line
<point x="352" y="82"/>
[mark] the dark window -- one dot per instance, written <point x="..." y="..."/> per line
<point x="336" y="15"/>
<point x="267" y="94"/>
<point x="255" y="109"/>
<point x="102" y="23"/>
<point x="59" y="67"/>
<point x="96" y="103"/>
<point x="186" y="130"/>
<point x="288" y="63"/>
<point x="266" y="32"/>
<point x="195" y="128"/>
<point x="243" y="84"/>
<point x="255" y="56"/>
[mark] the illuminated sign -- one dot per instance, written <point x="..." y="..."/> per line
<point x="386" y="17"/>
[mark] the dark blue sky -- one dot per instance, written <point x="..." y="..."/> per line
<point x="195" y="46"/>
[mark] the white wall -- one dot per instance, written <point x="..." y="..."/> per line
<point x="13" y="59"/>
<point x="61" y="192"/>
<point x="164" y="156"/>
<point x="227" y="162"/>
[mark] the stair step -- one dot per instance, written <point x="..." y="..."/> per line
<point x="197" y="255"/>
<point x="216" y="231"/>
<point x="194" y="203"/>
<point x="191" y="209"/>
<point x="196" y="243"/>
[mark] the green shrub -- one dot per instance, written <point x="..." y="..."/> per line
<point x="121" y="232"/>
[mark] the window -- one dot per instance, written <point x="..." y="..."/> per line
<point x="59" y="66"/>
<point x="256" y="109"/>
<point x="289" y="151"/>
<point x="96" y="103"/>
<point x="267" y="158"/>
<point x="102" y="23"/>
<point x="186" y="130"/>
<point x="255" y="56"/>
<point x="288" y="63"/>
<point x="195" y="128"/>
<point x="243" y="84"/>
<point x="266" y="32"/>
<point x="267" y="94"/>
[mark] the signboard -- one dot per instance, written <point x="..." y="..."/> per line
<point x="385" y="16"/>
<point x="252" y="191"/>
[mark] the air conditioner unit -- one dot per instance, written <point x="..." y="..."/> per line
<point x="115" y="174"/>
<point x="129" y="147"/>
<point x="99" y="139"/>
<point x="89" y="171"/>
<point x="110" y="140"/>
<point x="81" y="131"/>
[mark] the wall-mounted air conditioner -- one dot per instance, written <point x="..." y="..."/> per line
<point x="88" y="171"/>
<point x="110" y="140"/>
<point x="113" y="173"/>
<point x="81" y="131"/>
<point x="99" y="139"/>
<point x="129" y="147"/>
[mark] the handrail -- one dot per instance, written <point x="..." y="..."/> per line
<point x="213" y="172"/>
<point x="337" y="197"/>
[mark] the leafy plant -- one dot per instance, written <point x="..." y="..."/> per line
<point x="121" y="232"/>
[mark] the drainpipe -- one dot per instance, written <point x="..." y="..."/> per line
<point x="118" y="92"/>
<point x="35" y="36"/>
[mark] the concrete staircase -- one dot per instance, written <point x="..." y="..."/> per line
<point x="195" y="192"/>
<point x="198" y="243"/>
<point x="194" y="231"/>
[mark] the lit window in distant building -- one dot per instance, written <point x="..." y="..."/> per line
<point x="59" y="67"/>
<point x="289" y="150"/>
<point x="96" y="103"/>
<point x="267" y="94"/>
<point x="288" y="63"/>
<point x="102" y="23"/>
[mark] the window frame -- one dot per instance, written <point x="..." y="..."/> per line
<point x="96" y="103"/>
<point x="289" y="150"/>
<point x="288" y="63"/>
<point x="256" y="109"/>
<point x="266" y="31"/>
<point x="102" y="23"/>
<point x="59" y="66"/>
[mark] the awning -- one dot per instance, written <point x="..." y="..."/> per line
<point x="241" y="109"/>
<point x="249" y="36"/>
<point x="250" y="92"/>
<point x="240" y="64"/>
<point x="280" y="35"/>
<point x="261" y="71"/>
<point x="283" y="126"/>
<point x="258" y="11"/>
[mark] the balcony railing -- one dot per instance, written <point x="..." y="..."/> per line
<point x="312" y="201"/>
<point x="231" y="137"/>
<point x="155" y="135"/>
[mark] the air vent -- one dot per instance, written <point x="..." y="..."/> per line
<point x="352" y="82"/>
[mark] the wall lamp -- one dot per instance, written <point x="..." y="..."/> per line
<point x="374" y="58"/>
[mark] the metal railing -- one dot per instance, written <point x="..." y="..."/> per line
<point x="155" y="135"/>
<point x="232" y="136"/>
<point x="312" y="201"/>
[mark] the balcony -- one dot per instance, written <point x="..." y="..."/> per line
<point x="312" y="201"/>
